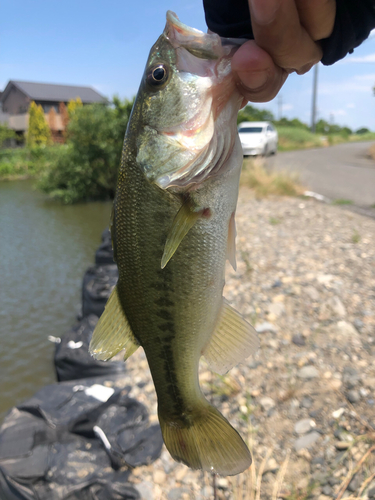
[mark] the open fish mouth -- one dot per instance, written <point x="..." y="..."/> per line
<point x="201" y="45"/>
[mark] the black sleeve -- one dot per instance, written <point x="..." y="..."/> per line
<point x="354" y="21"/>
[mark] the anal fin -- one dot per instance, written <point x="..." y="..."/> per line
<point x="233" y="340"/>
<point x="112" y="333"/>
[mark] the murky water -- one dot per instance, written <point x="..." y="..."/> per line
<point x="44" y="250"/>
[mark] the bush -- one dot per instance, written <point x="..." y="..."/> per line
<point x="26" y="162"/>
<point x="87" y="166"/>
<point x="6" y="133"/>
<point x="297" y="138"/>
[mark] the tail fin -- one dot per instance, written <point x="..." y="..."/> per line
<point x="209" y="443"/>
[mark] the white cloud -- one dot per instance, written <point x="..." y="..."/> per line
<point x="351" y="105"/>
<point x="338" y="112"/>
<point x="363" y="59"/>
<point x="369" y="77"/>
<point x="287" y="107"/>
<point x="346" y="86"/>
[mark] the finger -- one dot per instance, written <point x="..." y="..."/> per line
<point x="258" y="78"/>
<point x="277" y="30"/>
<point x="318" y="17"/>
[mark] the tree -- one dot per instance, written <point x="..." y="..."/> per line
<point x="362" y="130"/>
<point x="6" y="133"/>
<point x="52" y="116"/>
<point x="74" y="104"/>
<point x="38" y="133"/>
<point x="285" y="122"/>
<point x="323" y="127"/>
<point x="87" y="166"/>
<point x="252" y="114"/>
<point x="64" y="115"/>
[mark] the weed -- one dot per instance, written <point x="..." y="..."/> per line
<point x="245" y="258"/>
<point x="289" y="394"/>
<point x="356" y="237"/>
<point x="371" y="151"/>
<point x="342" y="201"/>
<point x="248" y="485"/>
<point x="301" y="494"/>
<point x="264" y="183"/>
<point x="274" y="221"/>
<point x="225" y="386"/>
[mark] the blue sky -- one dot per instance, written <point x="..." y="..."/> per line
<point x="105" y="44"/>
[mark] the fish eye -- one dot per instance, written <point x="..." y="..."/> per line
<point x="157" y="76"/>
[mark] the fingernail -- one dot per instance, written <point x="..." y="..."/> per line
<point x="253" y="80"/>
<point x="264" y="11"/>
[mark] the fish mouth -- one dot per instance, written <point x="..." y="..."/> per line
<point x="201" y="45"/>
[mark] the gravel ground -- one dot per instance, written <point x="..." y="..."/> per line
<point x="306" y="400"/>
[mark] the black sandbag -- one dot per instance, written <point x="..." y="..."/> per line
<point x="10" y="489"/>
<point x="106" y="234"/>
<point x="77" y="470"/>
<point x="72" y="358"/>
<point x="126" y="427"/>
<point x="98" y="283"/>
<point x="104" y="254"/>
<point x="49" y="449"/>
<point x="73" y="406"/>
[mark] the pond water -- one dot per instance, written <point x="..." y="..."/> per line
<point x="45" y="249"/>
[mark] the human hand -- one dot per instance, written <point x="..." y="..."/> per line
<point x="286" y="39"/>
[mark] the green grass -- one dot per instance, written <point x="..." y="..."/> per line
<point x="297" y="138"/>
<point x="291" y="138"/>
<point x="342" y="201"/>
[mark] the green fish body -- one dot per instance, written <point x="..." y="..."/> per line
<point x="172" y="231"/>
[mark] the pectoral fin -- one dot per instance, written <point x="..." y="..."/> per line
<point x="184" y="220"/>
<point x="233" y="340"/>
<point x="112" y="333"/>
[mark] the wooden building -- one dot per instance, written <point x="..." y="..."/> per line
<point x="17" y="96"/>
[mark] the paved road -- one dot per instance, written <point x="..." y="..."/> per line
<point x="338" y="172"/>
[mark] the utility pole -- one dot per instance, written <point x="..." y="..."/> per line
<point x="313" y="110"/>
<point x="280" y="106"/>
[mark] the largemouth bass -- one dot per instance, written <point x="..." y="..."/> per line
<point x="172" y="230"/>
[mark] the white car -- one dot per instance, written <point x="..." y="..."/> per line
<point x="258" y="138"/>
